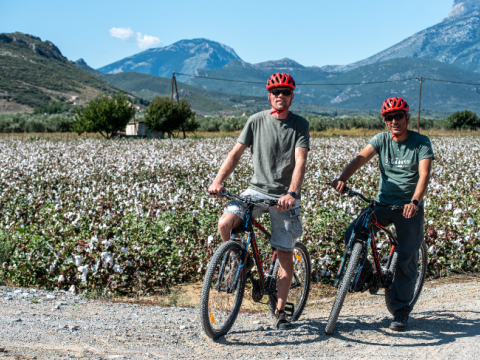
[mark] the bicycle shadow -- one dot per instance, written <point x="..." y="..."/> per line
<point x="427" y="328"/>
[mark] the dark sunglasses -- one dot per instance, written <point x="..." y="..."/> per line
<point x="284" y="92"/>
<point x="394" y="117"/>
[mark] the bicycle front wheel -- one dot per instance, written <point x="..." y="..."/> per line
<point x="421" y="274"/>
<point x="221" y="298"/>
<point x="346" y="282"/>
<point x="300" y="286"/>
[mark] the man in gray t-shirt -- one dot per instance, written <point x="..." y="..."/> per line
<point x="279" y="141"/>
<point x="405" y="161"/>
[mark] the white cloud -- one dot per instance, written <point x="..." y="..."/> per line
<point x="147" y="41"/>
<point x="126" y="34"/>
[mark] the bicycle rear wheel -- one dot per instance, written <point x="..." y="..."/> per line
<point x="421" y="274"/>
<point x="220" y="302"/>
<point x="300" y="286"/>
<point x="345" y="283"/>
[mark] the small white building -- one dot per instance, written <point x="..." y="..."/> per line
<point x="138" y="128"/>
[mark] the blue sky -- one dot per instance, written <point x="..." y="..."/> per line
<point x="316" y="32"/>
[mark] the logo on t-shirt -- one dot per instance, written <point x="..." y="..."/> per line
<point x="398" y="162"/>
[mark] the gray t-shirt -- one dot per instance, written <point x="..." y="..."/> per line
<point x="273" y="143"/>
<point x="398" y="162"/>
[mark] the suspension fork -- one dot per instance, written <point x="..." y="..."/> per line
<point x="348" y="249"/>
<point x="363" y="259"/>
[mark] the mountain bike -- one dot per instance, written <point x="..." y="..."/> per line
<point x="225" y="280"/>
<point x="356" y="253"/>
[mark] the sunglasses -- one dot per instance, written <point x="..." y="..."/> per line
<point x="284" y="92"/>
<point x="394" y="117"/>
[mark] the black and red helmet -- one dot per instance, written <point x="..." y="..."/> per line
<point x="280" y="80"/>
<point x="394" y="104"/>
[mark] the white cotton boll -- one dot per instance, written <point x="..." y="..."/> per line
<point x="210" y="240"/>
<point x="322" y="273"/>
<point x="107" y="243"/>
<point x="430" y="222"/>
<point x="470" y="222"/>
<point x="61" y="278"/>
<point x="77" y="259"/>
<point x="168" y="228"/>
<point x="202" y="203"/>
<point x="448" y="206"/>
<point x="124" y="249"/>
<point x="457" y="213"/>
<point x="129" y="263"/>
<point x="118" y="269"/>
<point x="72" y="290"/>
<point x="84" y="270"/>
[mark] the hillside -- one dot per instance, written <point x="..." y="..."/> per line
<point x="455" y="40"/>
<point x="34" y="73"/>
<point x="436" y="96"/>
<point x="183" y="56"/>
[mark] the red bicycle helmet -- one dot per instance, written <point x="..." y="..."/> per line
<point x="394" y="104"/>
<point x="280" y="80"/>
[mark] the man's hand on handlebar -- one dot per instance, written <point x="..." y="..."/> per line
<point x="285" y="203"/>
<point x="410" y="210"/>
<point x="338" y="185"/>
<point x="216" y="188"/>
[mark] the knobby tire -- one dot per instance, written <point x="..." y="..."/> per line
<point x="344" y="286"/>
<point x="205" y="315"/>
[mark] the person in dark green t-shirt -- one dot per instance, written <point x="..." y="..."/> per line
<point x="279" y="141"/>
<point x="405" y="161"/>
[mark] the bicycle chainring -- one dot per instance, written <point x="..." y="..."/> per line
<point x="257" y="295"/>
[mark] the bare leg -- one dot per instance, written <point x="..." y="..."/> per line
<point x="284" y="279"/>
<point x="226" y="223"/>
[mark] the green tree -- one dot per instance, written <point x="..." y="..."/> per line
<point x="462" y="120"/>
<point x="164" y="115"/>
<point x="105" y="115"/>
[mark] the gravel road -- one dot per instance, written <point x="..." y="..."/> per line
<point x="58" y="325"/>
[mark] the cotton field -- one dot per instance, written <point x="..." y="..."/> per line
<point x="131" y="216"/>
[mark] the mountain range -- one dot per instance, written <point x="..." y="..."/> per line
<point x="34" y="73"/>
<point x="184" y="56"/>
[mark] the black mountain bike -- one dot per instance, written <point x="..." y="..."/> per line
<point x="226" y="276"/>
<point x="356" y="253"/>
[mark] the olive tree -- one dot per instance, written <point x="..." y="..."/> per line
<point x="105" y="115"/>
<point x="164" y="115"/>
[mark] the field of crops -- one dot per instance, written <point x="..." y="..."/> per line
<point x="130" y="216"/>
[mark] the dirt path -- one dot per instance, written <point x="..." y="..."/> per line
<point x="445" y="324"/>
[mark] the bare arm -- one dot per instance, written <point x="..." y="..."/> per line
<point x="424" y="170"/>
<point x="287" y="201"/>
<point x="362" y="158"/>
<point x="227" y="168"/>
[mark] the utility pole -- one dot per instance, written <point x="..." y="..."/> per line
<point x="174" y="84"/>
<point x="419" y="104"/>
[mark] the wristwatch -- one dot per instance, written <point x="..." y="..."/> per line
<point x="414" y="202"/>
<point x="292" y="194"/>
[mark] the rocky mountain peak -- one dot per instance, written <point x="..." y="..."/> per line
<point x="463" y="7"/>
<point x="284" y="63"/>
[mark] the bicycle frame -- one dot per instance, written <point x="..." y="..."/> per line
<point x="368" y="228"/>
<point x="247" y="228"/>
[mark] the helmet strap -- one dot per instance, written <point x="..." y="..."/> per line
<point x="275" y="111"/>
<point x="397" y="136"/>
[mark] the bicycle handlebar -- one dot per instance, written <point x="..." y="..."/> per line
<point x="352" y="193"/>
<point x="247" y="200"/>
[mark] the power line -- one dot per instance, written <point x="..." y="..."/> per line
<point x="263" y="83"/>
<point x="453" y="82"/>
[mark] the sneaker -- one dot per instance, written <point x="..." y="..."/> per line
<point x="400" y="322"/>
<point x="282" y="321"/>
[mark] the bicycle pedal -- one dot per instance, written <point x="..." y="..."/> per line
<point x="289" y="309"/>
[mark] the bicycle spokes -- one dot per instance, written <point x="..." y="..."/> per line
<point x="223" y="291"/>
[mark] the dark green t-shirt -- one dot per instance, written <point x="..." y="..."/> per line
<point x="273" y="144"/>
<point x="398" y="162"/>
